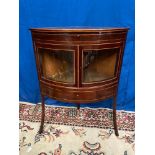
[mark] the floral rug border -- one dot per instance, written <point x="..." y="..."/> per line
<point x="85" y="117"/>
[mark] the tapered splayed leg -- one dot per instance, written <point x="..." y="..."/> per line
<point x="78" y="106"/>
<point x="114" y="117"/>
<point x="42" y="115"/>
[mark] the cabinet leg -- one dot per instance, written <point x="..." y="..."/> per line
<point x="114" y="117"/>
<point x="78" y="106"/>
<point x="42" y="115"/>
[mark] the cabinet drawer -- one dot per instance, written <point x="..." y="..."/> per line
<point x="77" y="96"/>
<point x="77" y="37"/>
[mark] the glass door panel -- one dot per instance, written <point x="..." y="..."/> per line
<point x="57" y="65"/>
<point x="99" y="65"/>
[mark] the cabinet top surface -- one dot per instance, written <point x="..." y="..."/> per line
<point x="80" y="29"/>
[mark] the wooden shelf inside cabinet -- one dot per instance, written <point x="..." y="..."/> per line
<point x="79" y="65"/>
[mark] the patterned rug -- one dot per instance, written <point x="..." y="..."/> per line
<point x="69" y="131"/>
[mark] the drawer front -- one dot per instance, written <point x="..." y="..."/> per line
<point x="67" y="37"/>
<point x="77" y="96"/>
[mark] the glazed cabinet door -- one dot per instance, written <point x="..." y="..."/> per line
<point x="57" y="64"/>
<point x="100" y="63"/>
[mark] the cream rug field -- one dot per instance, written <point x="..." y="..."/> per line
<point x="69" y="131"/>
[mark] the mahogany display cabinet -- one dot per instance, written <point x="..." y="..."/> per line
<point x="79" y="65"/>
